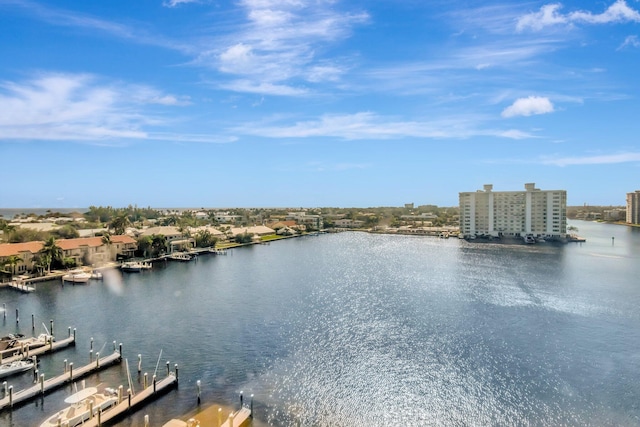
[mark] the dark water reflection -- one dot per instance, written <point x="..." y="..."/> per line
<point x="365" y="330"/>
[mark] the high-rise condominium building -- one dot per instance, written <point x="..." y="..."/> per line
<point x="541" y="213"/>
<point x="633" y="207"/>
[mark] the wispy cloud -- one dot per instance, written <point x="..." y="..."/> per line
<point x="529" y="106"/>
<point x="80" y="107"/>
<point x="550" y="15"/>
<point x="175" y="3"/>
<point x="279" y="43"/>
<point x="593" y="160"/>
<point x="368" y="125"/>
<point x="630" y="41"/>
<point x="67" y="18"/>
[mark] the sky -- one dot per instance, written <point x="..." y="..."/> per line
<point x="319" y="103"/>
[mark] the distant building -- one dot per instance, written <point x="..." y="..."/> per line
<point x="408" y="205"/>
<point x="542" y="213"/>
<point x="633" y="207"/>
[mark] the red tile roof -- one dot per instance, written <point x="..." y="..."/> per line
<point x="8" y="249"/>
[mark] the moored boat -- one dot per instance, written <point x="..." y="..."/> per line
<point x="85" y="405"/>
<point x="16" y="367"/>
<point x="135" y="266"/>
<point x="181" y="256"/>
<point x="76" y="276"/>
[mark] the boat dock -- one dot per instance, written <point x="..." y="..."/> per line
<point x="43" y="387"/>
<point x="21" y="286"/>
<point x="19" y="353"/>
<point x="238" y="419"/>
<point x="129" y="402"/>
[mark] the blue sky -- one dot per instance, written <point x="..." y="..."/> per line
<point x="293" y="103"/>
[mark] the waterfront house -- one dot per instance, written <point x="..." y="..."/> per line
<point x="176" y="239"/>
<point x="25" y="253"/>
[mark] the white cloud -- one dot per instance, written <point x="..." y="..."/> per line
<point x="174" y="3"/>
<point x="631" y="41"/>
<point x="81" y="107"/>
<point x="280" y="42"/>
<point x="546" y="16"/>
<point x="368" y="125"/>
<point x="529" y="106"/>
<point x="549" y="15"/>
<point x="263" y="88"/>
<point x="593" y="160"/>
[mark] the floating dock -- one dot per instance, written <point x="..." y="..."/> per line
<point x="129" y="402"/>
<point x="43" y="387"/>
<point x="19" y="353"/>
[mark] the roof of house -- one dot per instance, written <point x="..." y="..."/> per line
<point x="68" y="244"/>
<point x="122" y="238"/>
<point x="257" y="229"/>
<point x="165" y="231"/>
<point x="8" y="249"/>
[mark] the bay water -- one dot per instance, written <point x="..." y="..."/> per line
<point x="357" y="329"/>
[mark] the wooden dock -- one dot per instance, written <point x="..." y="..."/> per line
<point x="238" y="419"/>
<point x="43" y="387"/>
<point x="19" y="353"/>
<point x="21" y="286"/>
<point x="130" y="403"/>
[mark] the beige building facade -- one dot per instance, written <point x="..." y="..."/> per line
<point x="633" y="207"/>
<point x="540" y="213"/>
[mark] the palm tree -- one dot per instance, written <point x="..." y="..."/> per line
<point x="52" y="251"/>
<point x="119" y="224"/>
<point x="106" y="240"/>
<point x="12" y="261"/>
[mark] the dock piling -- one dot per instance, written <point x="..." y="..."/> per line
<point x="33" y="322"/>
<point x="91" y="344"/>
<point x="219" y="417"/>
<point x="129" y="397"/>
<point x="241" y="400"/>
<point x="51" y="327"/>
<point x="71" y="371"/>
<point x="146" y="420"/>
<point x="98" y="359"/>
<point x="65" y="366"/>
<point x="90" y="355"/>
<point x="4" y="311"/>
<point x="35" y="376"/>
<point x="17" y="316"/>
<point x="120" y="349"/>
<point x="198" y="387"/>
<point x="146" y="380"/>
<point x="154" y="383"/>
<point x="251" y="406"/>
<point x="168" y="369"/>
<point x="175" y="368"/>
<point x="120" y="393"/>
<point x="4" y="388"/>
<point x="74" y="334"/>
<point x="139" y="363"/>
<point x="69" y="331"/>
<point x="11" y="396"/>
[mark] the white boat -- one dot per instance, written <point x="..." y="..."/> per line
<point x="96" y="275"/>
<point x="16" y="345"/>
<point x="16" y="367"/>
<point x="85" y="405"/>
<point x="76" y="276"/>
<point x="180" y="256"/>
<point x="135" y="266"/>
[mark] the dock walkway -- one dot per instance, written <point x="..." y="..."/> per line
<point x="19" y="353"/>
<point x="44" y="387"/>
<point x="129" y="403"/>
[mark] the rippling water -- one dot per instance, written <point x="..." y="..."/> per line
<point x="354" y="329"/>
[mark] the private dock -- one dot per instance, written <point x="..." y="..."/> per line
<point x="23" y="352"/>
<point x="21" y="286"/>
<point x="12" y="399"/>
<point x="128" y="403"/>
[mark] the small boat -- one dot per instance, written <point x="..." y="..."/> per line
<point x="180" y="256"/>
<point x="85" y="405"/>
<point x="135" y="266"/>
<point x="16" y="367"/>
<point x="10" y="341"/>
<point x="15" y="346"/>
<point x="96" y="275"/>
<point x="76" y="276"/>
